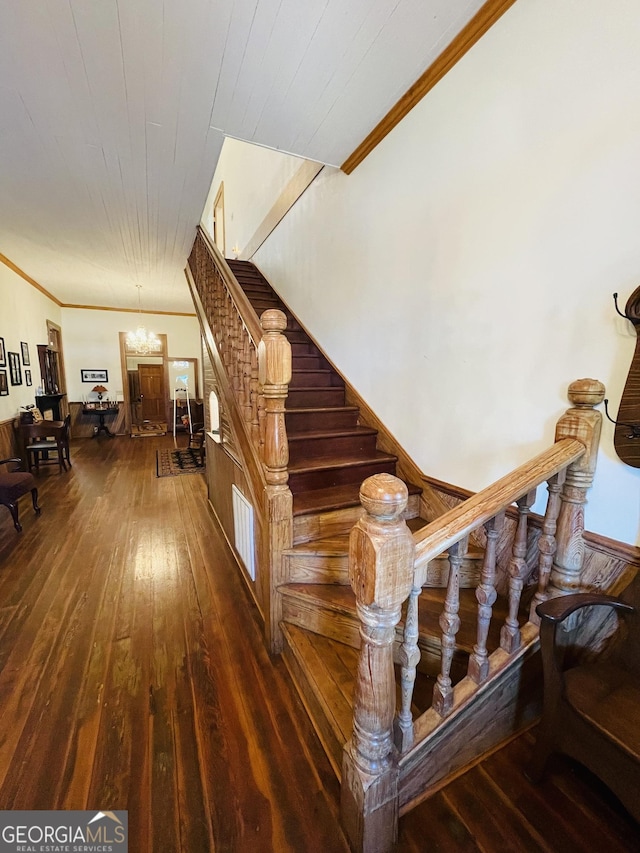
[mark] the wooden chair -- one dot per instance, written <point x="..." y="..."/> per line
<point x="196" y="441"/>
<point x="45" y="438"/>
<point x="14" y="484"/>
<point x="592" y="711"/>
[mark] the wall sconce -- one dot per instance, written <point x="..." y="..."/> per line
<point x="628" y="421"/>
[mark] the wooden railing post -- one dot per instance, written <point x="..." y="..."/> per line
<point x="583" y="423"/>
<point x="274" y="375"/>
<point x="381" y="557"/>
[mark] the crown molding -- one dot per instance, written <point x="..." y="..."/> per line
<point x="482" y="21"/>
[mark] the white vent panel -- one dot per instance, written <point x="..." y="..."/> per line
<point x="243" y="530"/>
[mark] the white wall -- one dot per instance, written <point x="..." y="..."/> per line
<point x="91" y="341"/>
<point x="251" y="185"/>
<point x="461" y="277"/>
<point x="24" y="312"/>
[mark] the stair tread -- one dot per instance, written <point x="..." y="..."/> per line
<point x="321" y="409"/>
<point x="330" y="667"/>
<point x="330" y="462"/>
<point x="334" y="497"/>
<point x="341" y="599"/>
<point x="338" y="543"/>
<point x="330" y="433"/>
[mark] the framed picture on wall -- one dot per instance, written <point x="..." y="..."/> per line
<point x="94" y="375"/>
<point x="25" y="353"/>
<point x="4" y="385"/>
<point x="15" y="371"/>
<point x="27" y="377"/>
<point x="3" y="354"/>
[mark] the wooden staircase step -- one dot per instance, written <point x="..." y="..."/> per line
<point x="326" y="560"/>
<point x="334" y="511"/>
<point x="313" y="398"/>
<point x="320" y="418"/>
<point x="323" y="671"/>
<point x="330" y="610"/>
<point x="357" y="441"/>
<point x="324" y="472"/>
<point x="308" y="361"/>
<point x="314" y="377"/>
<point x="341" y="497"/>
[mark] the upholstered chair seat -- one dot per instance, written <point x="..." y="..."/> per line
<point x="13" y="485"/>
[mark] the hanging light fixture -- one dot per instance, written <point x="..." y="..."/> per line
<point x="141" y="340"/>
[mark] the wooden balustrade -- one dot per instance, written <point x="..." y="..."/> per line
<point x="255" y="358"/>
<point x="381" y="576"/>
<point x="369" y="776"/>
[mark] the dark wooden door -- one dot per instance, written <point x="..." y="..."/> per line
<point x="152" y="393"/>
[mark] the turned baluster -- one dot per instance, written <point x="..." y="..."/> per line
<point x="409" y="658"/>
<point x="583" y="423"/>
<point x="274" y="374"/>
<point x="510" y="633"/>
<point x="246" y="376"/>
<point x="254" y="396"/>
<point x="450" y="623"/>
<point x="381" y="556"/>
<point x="547" y="543"/>
<point x="486" y="595"/>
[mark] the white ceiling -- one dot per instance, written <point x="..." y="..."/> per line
<point x="113" y="113"/>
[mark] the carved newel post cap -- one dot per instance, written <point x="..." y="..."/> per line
<point x="586" y="392"/>
<point x="273" y="320"/>
<point x="384" y="496"/>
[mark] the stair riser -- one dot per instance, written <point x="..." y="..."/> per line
<point x="327" y="478"/>
<point x="314" y="398"/>
<point x="310" y="695"/>
<point x="305" y="361"/>
<point x="302" y="348"/>
<point x="344" y="626"/>
<point x="321" y="524"/>
<point x="315" y="379"/>
<point x="334" y="568"/>
<point x="304" y="421"/>
<point x="346" y="445"/>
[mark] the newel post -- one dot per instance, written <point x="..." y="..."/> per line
<point x="274" y="375"/>
<point x="584" y="423"/>
<point x="381" y="558"/>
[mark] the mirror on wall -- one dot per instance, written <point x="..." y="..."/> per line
<point x="183" y="377"/>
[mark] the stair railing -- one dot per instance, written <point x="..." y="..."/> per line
<point x="388" y="566"/>
<point x="252" y="362"/>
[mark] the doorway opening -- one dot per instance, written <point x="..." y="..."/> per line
<point x="144" y="385"/>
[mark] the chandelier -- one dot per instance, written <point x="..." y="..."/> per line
<point x="142" y="341"/>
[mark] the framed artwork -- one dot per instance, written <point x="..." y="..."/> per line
<point x="4" y="385"/>
<point x="25" y="354"/>
<point x="3" y="354"/>
<point x="15" y="371"/>
<point x="94" y="375"/>
<point x="27" y="377"/>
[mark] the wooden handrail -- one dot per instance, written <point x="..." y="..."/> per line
<point x="238" y="296"/>
<point x="458" y="522"/>
<point x="249" y="451"/>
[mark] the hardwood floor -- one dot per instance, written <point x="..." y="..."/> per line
<point x="133" y="675"/>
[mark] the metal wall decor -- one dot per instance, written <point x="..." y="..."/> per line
<point x="626" y="439"/>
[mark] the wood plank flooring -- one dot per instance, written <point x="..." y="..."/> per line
<point x="133" y="675"/>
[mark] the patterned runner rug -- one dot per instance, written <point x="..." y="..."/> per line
<point x="148" y="428"/>
<point x="170" y="463"/>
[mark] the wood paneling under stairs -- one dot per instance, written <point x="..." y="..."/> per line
<point x="133" y="675"/>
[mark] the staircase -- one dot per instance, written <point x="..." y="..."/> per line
<point x="330" y="454"/>
<point x="358" y="579"/>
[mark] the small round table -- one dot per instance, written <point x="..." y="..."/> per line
<point x="101" y="411"/>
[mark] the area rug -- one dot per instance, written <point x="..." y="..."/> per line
<point x="148" y="428"/>
<point x="170" y="463"/>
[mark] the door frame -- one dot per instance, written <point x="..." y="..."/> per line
<point x="126" y="351"/>
<point x="219" y="225"/>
